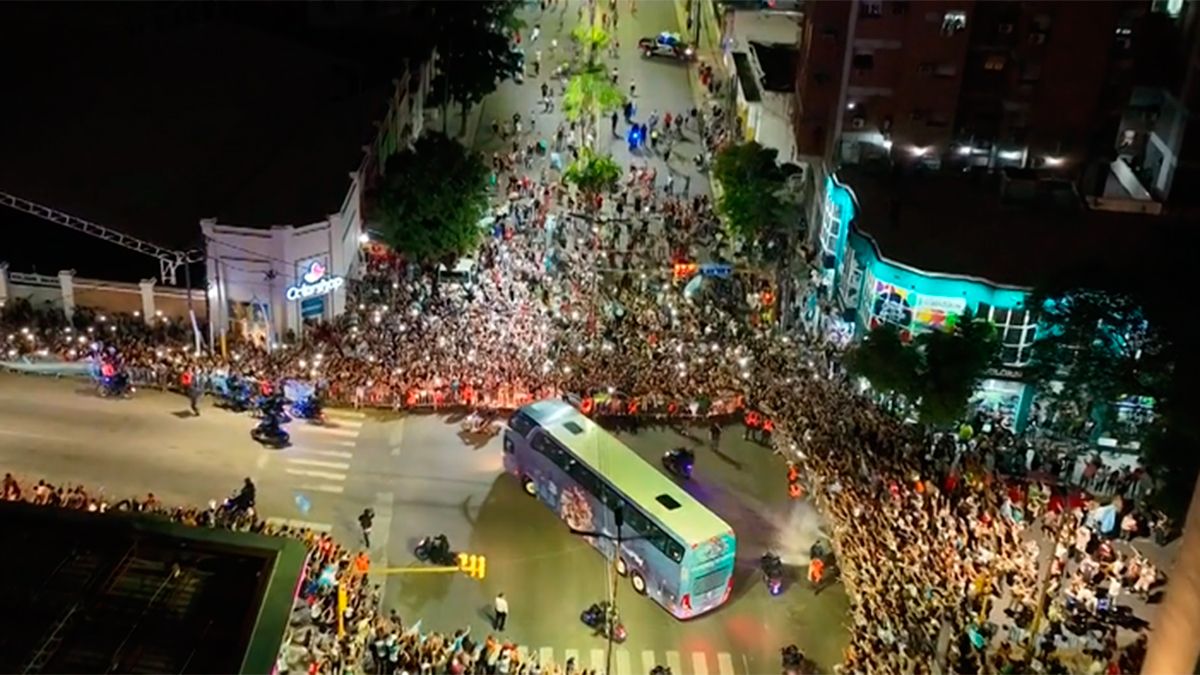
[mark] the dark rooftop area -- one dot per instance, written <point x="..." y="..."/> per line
<point x="89" y="593"/>
<point x="745" y="75"/>
<point x="146" y="124"/>
<point x="778" y="62"/>
<point x="1019" y="231"/>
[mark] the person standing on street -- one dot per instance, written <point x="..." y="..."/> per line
<point x="191" y="387"/>
<point x="501" y="607"/>
<point x="365" y="519"/>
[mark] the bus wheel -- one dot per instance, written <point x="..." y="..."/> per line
<point x="622" y="568"/>
<point x="530" y="486"/>
<point x="639" y="584"/>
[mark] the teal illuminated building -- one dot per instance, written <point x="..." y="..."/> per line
<point x="917" y="250"/>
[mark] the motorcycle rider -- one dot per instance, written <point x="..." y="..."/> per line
<point x="771" y="565"/>
<point x="245" y="497"/>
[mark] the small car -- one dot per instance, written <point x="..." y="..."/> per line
<point x="666" y="44"/>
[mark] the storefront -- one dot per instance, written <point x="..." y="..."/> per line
<point x="267" y="284"/>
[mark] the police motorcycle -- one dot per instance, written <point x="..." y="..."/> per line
<point x="773" y="572"/>
<point x="114" y="379"/>
<point x="794" y="662"/>
<point x="237" y="394"/>
<point x="602" y="617"/>
<point x="309" y="408"/>
<point x="679" y="461"/>
<point x="269" y="431"/>
<point x="435" y="550"/>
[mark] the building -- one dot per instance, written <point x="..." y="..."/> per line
<point x="761" y="53"/>
<point x="135" y="594"/>
<point x="917" y="249"/>
<point x="1004" y="83"/>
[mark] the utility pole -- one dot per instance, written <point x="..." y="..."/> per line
<point x="613" y="575"/>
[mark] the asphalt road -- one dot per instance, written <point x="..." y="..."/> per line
<point x="422" y="477"/>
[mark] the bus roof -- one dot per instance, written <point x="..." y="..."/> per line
<point x="627" y="471"/>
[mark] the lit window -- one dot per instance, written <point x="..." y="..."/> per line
<point x="954" y="22"/>
<point x="1017" y="329"/>
<point x="871" y="8"/>
<point x="995" y="62"/>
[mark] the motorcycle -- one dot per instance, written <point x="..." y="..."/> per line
<point x="795" y="662"/>
<point x="679" y="461"/>
<point x="235" y="511"/>
<point x="772" y="571"/>
<point x="602" y="618"/>
<point x="270" y="433"/>
<point x="116" y="386"/>
<point x="435" y="550"/>
<point x="478" y="423"/>
<point x="309" y="408"/>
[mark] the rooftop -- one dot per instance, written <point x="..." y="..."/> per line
<point x="131" y="594"/>
<point x="778" y="64"/>
<point x="147" y="125"/>
<point x="1016" y="229"/>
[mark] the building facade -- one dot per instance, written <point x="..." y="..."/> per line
<point x="266" y="283"/>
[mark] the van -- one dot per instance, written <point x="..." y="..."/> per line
<point x="461" y="275"/>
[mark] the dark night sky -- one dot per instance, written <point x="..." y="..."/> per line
<point x="147" y="117"/>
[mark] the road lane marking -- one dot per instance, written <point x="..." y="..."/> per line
<point x="330" y="489"/>
<point x="674" y="662"/>
<point x="350" y="414"/>
<point x="385" y="507"/>
<point x="648" y="661"/>
<point x="546" y="657"/>
<point x="292" y="522"/>
<point x="397" y="437"/>
<point x="725" y="664"/>
<point x="624" y="667"/>
<point x="326" y="464"/>
<point x="598" y="659"/>
<point x="347" y="423"/>
<point x="316" y="474"/>
<point x="262" y="460"/>
<point x="342" y="454"/>
<point x="346" y="444"/>
<point x="331" y="431"/>
<point x="572" y="654"/>
<point x="699" y="663"/>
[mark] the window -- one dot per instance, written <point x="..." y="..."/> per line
<point x="995" y="63"/>
<point x="521" y="423"/>
<point x="863" y="61"/>
<point x="584" y="476"/>
<point x="667" y="501"/>
<point x="1017" y="329"/>
<point x="707" y="582"/>
<point x="870" y="9"/>
<point x="1031" y="72"/>
<point x="925" y="68"/>
<point x="900" y="7"/>
<point x="555" y="452"/>
<point x="954" y="22"/>
<point x="1041" y="23"/>
<point x="945" y="70"/>
<point x="573" y="428"/>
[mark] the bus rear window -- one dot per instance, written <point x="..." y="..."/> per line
<point x="707" y="582"/>
<point x="521" y="423"/>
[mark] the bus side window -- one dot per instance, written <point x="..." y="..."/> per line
<point x="521" y="423"/>
<point x="509" y="447"/>
<point x="674" y="550"/>
<point x="585" y="477"/>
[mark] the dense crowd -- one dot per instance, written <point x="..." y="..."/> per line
<point x="578" y="297"/>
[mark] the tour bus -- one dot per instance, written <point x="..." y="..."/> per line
<point x="673" y="549"/>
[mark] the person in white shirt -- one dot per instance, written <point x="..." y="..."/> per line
<point x="501" y="607"/>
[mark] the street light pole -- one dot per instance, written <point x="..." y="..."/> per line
<point x="618" y="539"/>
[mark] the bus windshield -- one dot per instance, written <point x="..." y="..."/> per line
<point x="672" y="548"/>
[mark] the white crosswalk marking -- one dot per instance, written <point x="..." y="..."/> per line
<point x="346" y="444"/>
<point x="346" y="423"/>
<point x="623" y="666"/>
<point x="334" y="431"/>
<point x="598" y="659"/>
<point x="648" y="661"/>
<point x="340" y="454"/>
<point x="346" y="414"/>
<point x="699" y="663"/>
<point x="674" y="662"/>
<point x="545" y="656"/>
<point x="291" y="522"/>
<point x="329" y="489"/>
<point x="316" y="474"/>
<point x="325" y="464"/>
<point x="725" y="664"/>
<point x="572" y="654"/>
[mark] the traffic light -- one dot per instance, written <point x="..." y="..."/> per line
<point x="474" y="566"/>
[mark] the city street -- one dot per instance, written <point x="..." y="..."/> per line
<point x="422" y="477"/>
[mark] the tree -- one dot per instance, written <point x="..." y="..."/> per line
<point x="474" y="51"/>
<point x="952" y="363"/>
<point x="751" y="181"/>
<point x="432" y="200"/>
<point x="884" y="360"/>
<point x="592" y="39"/>
<point x="590" y="94"/>
<point x="593" y="175"/>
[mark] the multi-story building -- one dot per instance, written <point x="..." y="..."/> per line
<point x="1004" y="83"/>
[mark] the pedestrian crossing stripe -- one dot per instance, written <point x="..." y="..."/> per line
<point x="702" y="663"/>
<point x="344" y="413"/>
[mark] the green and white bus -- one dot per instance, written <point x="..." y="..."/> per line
<point x="674" y="549"/>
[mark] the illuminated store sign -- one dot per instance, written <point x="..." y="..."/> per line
<point x="314" y="283"/>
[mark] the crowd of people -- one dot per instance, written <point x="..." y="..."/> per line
<point x="570" y="296"/>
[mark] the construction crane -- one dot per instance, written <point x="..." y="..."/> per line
<point x="169" y="261"/>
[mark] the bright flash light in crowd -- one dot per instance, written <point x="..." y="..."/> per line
<point x="361" y="307"/>
<point x="371" y="358"/>
<point x="743" y="362"/>
<point x="318" y="357"/>
<point x="112" y="329"/>
<point x="91" y="329"/>
<point x="575" y="315"/>
<point x="43" y="352"/>
<point x="414" y="312"/>
<point x="24" y="331"/>
<point x="364" y="238"/>
<point x="578" y="349"/>
<point x="611" y="391"/>
<point x="678" y="349"/>
<point x="376" y="319"/>
<point x="102" y="318"/>
<point x="67" y="330"/>
<point x="71" y="353"/>
<point x="441" y="342"/>
<point x="158" y="312"/>
<point x="607" y="347"/>
<point x="158" y="353"/>
<point x="567" y="369"/>
<point x="12" y="353"/>
<point x="714" y="347"/>
<point x="745" y="375"/>
<point x="303" y="363"/>
<point x="547" y="366"/>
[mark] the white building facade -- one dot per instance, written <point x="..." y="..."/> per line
<point x="266" y="283"/>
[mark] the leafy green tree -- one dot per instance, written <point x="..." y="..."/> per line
<point x="590" y="94"/>
<point x="474" y="50"/>
<point x="885" y="361"/>
<point x="751" y="181"/>
<point x="592" y="39"/>
<point x="951" y="365"/>
<point x="432" y="200"/>
<point x="593" y="174"/>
